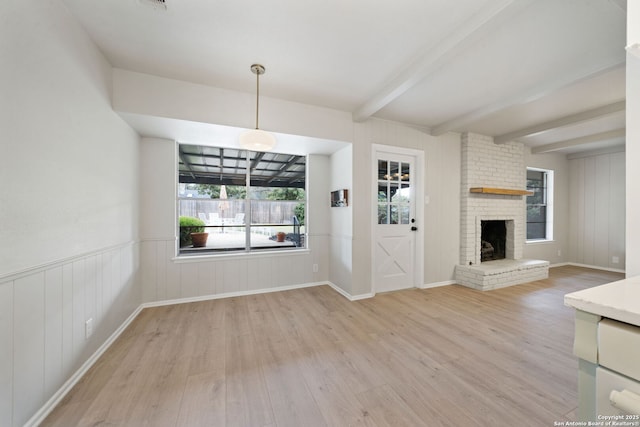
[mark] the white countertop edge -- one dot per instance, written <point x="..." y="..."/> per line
<point x="618" y="300"/>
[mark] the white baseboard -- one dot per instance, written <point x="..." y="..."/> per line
<point x="437" y="284"/>
<point x="46" y="409"/>
<point x="595" y="267"/>
<point x="347" y="295"/>
<point x="230" y="295"/>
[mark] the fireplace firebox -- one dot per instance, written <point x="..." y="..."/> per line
<point x="493" y="240"/>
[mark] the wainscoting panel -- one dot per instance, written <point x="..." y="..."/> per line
<point x="165" y="278"/>
<point x="43" y="312"/>
<point x="6" y="353"/>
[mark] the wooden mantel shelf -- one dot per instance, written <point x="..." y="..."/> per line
<point x="506" y="191"/>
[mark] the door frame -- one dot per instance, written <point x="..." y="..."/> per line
<point x="418" y="155"/>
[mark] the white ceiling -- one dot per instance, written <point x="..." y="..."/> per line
<point x="549" y="73"/>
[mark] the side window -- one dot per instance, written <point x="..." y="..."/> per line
<point x="242" y="200"/>
<point x="540" y="204"/>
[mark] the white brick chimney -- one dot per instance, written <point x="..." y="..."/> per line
<point x="485" y="164"/>
<point x="501" y="166"/>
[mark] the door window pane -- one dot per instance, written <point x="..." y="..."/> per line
<point x="383" y="169"/>
<point x="394" y="192"/>
<point x="382" y="193"/>
<point x="383" y="218"/>
<point x="405" y="173"/>
<point x="394" y="214"/>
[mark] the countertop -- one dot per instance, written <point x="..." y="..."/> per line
<point x="616" y="300"/>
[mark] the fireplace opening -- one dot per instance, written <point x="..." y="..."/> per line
<point x="493" y="240"/>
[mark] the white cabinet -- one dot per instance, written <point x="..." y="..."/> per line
<point x="607" y="343"/>
<point x="609" y="368"/>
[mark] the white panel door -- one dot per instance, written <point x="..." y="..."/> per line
<point x="395" y="231"/>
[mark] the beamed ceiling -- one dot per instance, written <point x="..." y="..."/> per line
<point x="548" y="73"/>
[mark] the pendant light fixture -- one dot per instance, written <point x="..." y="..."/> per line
<point x="256" y="139"/>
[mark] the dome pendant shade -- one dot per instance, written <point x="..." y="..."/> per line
<point x="256" y="139"/>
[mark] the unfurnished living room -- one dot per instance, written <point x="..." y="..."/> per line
<point x="319" y="213"/>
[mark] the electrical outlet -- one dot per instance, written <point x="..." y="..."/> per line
<point x="88" y="328"/>
<point x="615" y="260"/>
<point x="315" y="268"/>
<point x="559" y="252"/>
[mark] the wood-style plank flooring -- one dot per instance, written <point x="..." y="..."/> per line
<point x="447" y="356"/>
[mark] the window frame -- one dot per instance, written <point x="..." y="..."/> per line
<point x="548" y="191"/>
<point x="247" y="249"/>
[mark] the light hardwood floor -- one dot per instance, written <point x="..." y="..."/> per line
<point x="447" y="356"/>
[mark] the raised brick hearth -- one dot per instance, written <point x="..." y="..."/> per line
<point x="485" y="164"/>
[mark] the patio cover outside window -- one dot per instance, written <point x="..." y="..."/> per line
<point x="245" y="201"/>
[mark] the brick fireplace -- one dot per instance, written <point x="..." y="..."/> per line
<point x="493" y="176"/>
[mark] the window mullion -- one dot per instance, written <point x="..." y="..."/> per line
<point x="247" y="204"/>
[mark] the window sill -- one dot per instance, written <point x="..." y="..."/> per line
<point x="180" y="259"/>
<point x="539" y="241"/>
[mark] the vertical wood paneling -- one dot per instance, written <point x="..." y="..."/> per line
<point x="206" y="278"/>
<point x="266" y="280"/>
<point x="42" y="324"/>
<point x="100" y="286"/>
<point x="6" y="353"/>
<point x="188" y="280"/>
<point x="161" y="270"/>
<point x="90" y="290"/>
<point x="581" y="208"/>
<point x="107" y="282"/>
<point x="28" y="347"/>
<point x="116" y="274"/>
<point x="617" y="207"/>
<point x="574" y="179"/>
<point x="589" y="210"/>
<point x="172" y="274"/>
<point x="78" y="304"/>
<point x="597" y="206"/>
<point x="67" y="319"/>
<point x="149" y="271"/>
<point x="53" y="330"/>
<point x="219" y="277"/>
<point x="601" y="211"/>
<point x="164" y="279"/>
<point x="235" y="275"/>
<point x="255" y="277"/>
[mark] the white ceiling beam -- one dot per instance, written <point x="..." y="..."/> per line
<point x="597" y="152"/>
<point x="583" y="116"/>
<point x="598" y="137"/>
<point x="431" y="58"/>
<point x="546" y="87"/>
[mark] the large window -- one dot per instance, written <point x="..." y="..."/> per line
<point x="540" y="204"/>
<point x="242" y="200"/>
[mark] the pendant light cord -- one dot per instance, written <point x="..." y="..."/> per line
<point x="257" y="96"/>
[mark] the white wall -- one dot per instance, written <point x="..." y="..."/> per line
<point x="442" y="212"/>
<point x="633" y="144"/>
<point x="597" y="210"/>
<point x="154" y="96"/>
<point x="340" y="262"/>
<point x="441" y="219"/>
<point x="165" y="278"/>
<point x="68" y="204"/>
<point x="146" y="95"/>
<point x="548" y="251"/>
